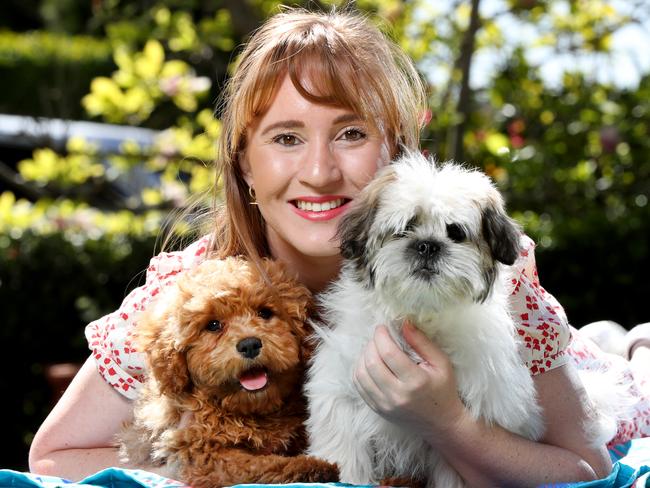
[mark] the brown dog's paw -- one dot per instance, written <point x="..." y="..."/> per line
<point x="403" y="482"/>
<point x="311" y="470"/>
<point x="323" y="472"/>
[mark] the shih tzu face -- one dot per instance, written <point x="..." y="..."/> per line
<point x="427" y="235"/>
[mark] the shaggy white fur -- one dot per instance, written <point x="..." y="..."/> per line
<point x="427" y="243"/>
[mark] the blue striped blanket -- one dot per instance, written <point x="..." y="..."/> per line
<point x="631" y="469"/>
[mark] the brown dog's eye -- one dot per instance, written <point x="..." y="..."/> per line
<point x="265" y="313"/>
<point x="213" y="326"/>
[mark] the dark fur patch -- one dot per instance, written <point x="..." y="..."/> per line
<point x="354" y="231"/>
<point x="489" y="275"/>
<point x="501" y="234"/>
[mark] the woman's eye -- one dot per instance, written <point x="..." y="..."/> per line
<point x="456" y="233"/>
<point x="213" y="326"/>
<point x="286" y="140"/>
<point x="353" y="135"/>
<point x="265" y="313"/>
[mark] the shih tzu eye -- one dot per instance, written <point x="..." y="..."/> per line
<point x="265" y="313"/>
<point x="456" y="233"/>
<point x="410" y="227"/>
<point x="213" y="326"/>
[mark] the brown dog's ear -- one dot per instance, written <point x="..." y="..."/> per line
<point x="296" y="303"/>
<point x="308" y="346"/>
<point x="294" y="298"/>
<point x="157" y="338"/>
<point x="299" y="302"/>
<point x="501" y="233"/>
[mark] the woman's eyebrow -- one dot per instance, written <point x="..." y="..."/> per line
<point x="351" y="117"/>
<point x="293" y="124"/>
<point x="283" y="124"/>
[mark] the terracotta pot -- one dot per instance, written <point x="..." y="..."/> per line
<point x="59" y="376"/>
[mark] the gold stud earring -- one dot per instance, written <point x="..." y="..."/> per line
<point x="251" y="192"/>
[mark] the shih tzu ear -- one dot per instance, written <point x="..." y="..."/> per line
<point x="354" y="228"/>
<point x="501" y="234"/>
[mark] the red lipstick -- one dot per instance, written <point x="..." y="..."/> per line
<point x="322" y="215"/>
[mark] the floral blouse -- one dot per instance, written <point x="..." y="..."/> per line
<point x="540" y="319"/>
<point x="110" y="337"/>
<point x="546" y="339"/>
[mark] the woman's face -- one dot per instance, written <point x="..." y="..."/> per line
<point x="306" y="163"/>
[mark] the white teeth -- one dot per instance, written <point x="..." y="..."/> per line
<point x="319" y="207"/>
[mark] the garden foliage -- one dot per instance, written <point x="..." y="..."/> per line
<point x="571" y="158"/>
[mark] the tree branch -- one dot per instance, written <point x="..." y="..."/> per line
<point x="464" y="64"/>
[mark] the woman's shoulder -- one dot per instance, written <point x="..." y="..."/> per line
<point x="110" y="337"/>
<point x="163" y="269"/>
<point x="170" y="263"/>
<point x="540" y="320"/>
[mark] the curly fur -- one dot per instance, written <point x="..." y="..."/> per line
<point x="234" y="435"/>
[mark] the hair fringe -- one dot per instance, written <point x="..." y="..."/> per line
<point x="374" y="77"/>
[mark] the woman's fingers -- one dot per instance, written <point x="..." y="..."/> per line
<point x="395" y="359"/>
<point x="366" y="385"/>
<point x="428" y="350"/>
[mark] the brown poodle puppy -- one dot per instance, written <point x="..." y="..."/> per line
<point x="223" y="402"/>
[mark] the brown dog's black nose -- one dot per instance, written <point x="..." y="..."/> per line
<point x="249" y="347"/>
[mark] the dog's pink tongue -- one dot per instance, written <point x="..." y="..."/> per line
<point x="254" y="379"/>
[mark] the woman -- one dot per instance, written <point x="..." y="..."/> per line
<point x="318" y="103"/>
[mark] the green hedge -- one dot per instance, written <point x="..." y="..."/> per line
<point x="49" y="289"/>
<point x="46" y="74"/>
<point x="600" y="274"/>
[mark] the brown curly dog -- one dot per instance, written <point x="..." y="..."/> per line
<point x="222" y="404"/>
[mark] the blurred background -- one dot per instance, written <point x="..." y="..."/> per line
<point x="107" y="125"/>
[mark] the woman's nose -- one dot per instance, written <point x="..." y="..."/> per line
<point x="320" y="167"/>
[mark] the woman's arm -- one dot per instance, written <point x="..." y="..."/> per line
<point x="77" y="437"/>
<point x="423" y="397"/>
<point x="491" y="456"/>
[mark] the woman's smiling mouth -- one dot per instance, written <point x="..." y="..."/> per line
<point x="320" y="208"/>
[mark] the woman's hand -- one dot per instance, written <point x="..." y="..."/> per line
<point x="416" y="396"/>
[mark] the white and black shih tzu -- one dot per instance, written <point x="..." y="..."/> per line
<point x="428" y="243"/>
